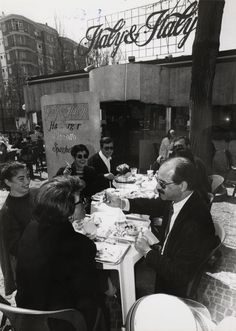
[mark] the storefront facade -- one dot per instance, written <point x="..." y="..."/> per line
<point x="139" y="102"/>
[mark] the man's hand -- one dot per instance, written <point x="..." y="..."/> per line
<point x="142" y="246"/>
<point x="113" y="200"/>
<point x="160" y="159"/>
<point x="109" y="176"/>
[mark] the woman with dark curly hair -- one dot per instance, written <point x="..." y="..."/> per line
<point x="79" y="167"/>
<point x="56" y="265"/>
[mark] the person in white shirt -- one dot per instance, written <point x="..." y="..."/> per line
<point x="103" y="164"/>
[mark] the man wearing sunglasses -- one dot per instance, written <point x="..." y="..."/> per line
<point x="186" y="235"/>
<point x="103" y="164"/>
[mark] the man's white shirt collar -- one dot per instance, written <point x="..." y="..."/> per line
<point x="177" y="206"/>
<point x="106" y="160"/>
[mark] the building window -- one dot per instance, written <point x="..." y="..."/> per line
<point x="17" y="25"/>
<point x="22" y="56"/>
<point x="4" y="27"/>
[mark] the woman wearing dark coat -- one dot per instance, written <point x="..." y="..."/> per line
<point x="79" y="167"/>
<point x="56" y="265"/>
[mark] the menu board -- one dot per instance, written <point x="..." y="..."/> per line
<point x="69" y="119"/>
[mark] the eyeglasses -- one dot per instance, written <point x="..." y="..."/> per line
<point x="177" y="147"/>
<point x="162" y="183"/>
<point x="80" y="156"/>
<point x="108" y="148"/>
<point x="81" y="200"/>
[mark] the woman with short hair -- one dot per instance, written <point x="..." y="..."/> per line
<point x="56" y="265"/>
<point x="16" y="213"/>
<point x="79" y="167"/>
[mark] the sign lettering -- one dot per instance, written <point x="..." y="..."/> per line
<point x="160" y="24"/>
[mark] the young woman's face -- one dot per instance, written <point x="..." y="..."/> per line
<point x="81" y="159"/>
<point x="19" y="184"/>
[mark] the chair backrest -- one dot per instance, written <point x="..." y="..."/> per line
<point x="211" y="198"/>
<point x="216" y="181"/>
<point x="220" y="232"/>
<point x="193" y="285"/>
<point x="26" y="319"/>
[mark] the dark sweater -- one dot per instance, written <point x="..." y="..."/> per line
<point x="89" y="176"/>
<point x="56" y="270"/>
<point x="16" y="214"/>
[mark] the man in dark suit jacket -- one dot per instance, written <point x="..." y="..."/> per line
<point x="186" y="235"/>
<point x="103" y="164"/>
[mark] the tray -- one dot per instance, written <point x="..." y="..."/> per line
<point x="111" y="252"/>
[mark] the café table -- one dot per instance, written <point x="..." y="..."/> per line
<point x="126" y="265"/>
<point x="141" y="187"/>
<point x="126" y="278"/>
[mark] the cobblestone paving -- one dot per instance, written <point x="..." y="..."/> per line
<point x="218" y="287"/>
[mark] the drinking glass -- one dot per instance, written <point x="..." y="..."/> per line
<point x="133" y="171"/>
<point x="150" y="174"/>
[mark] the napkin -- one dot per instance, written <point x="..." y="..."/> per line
<point x="115" y="215"/>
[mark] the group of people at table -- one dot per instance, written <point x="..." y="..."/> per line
<point x="54" y="266"/>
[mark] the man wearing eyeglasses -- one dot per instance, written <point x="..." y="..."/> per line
<point x="103" y="164"/>
<point x="186" y="235"/>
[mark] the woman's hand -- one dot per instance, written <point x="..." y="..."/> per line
<point x="67" y="170"/>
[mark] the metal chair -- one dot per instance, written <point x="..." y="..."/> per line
<point x="231" y="178"/>
<point x="193" y="285"/>
<point x="211" y="198"/>
<point x="35" y="320"/>
<point x="216" y="182"/>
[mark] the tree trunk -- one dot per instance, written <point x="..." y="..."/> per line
<point x="205" y="51"/>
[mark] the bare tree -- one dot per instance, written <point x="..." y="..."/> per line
<point x="205" y="51"/>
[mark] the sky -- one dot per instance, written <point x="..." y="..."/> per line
<point x="72" y="15"/>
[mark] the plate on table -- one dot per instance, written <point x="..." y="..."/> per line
<point x="111" y="253"/>
<point x="98" y="196"/>
<point x="127" y="231"/>
<point x="125" y="180"/>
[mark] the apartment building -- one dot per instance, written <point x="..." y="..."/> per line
<point x="30" y="49"/>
